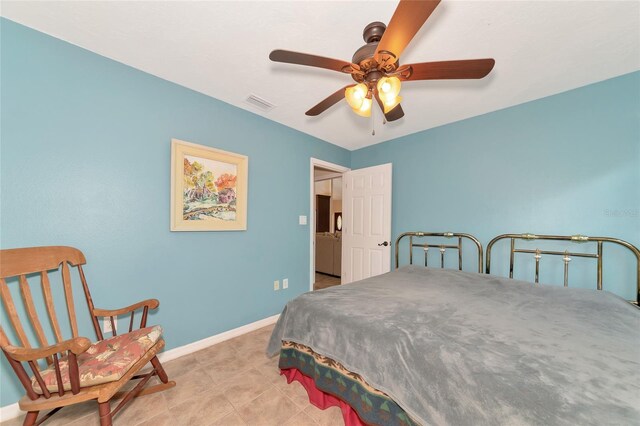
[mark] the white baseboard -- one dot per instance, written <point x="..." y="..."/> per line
<point x="12" y="411"/>
<point x="210" y="341"/>
<point x="9" y="412"/>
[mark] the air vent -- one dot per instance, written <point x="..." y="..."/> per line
<point x="260" y="103"/>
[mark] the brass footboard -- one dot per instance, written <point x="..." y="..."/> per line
<point x="442" y="248"/>
<point x="566" y="255"/>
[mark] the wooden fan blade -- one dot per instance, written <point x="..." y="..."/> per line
<point x="407" y="20"/>
<point x="298" y="58"/>
<point x="328" y="102"/>
<point x="449" y="70"/>
<point x="392" y="115"/>
<point x="395" y="113"/>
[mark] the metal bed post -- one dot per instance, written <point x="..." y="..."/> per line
<point x="441" y="247"/>
<point x="566" y="255"/>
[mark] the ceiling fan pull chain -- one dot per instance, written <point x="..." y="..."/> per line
<point x="373" y="122"/>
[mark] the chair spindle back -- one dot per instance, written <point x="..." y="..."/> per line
<point x="17" y="265"/>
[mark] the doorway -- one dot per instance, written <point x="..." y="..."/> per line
<point x="325" y="224"/>
<point x="324" y="204"/>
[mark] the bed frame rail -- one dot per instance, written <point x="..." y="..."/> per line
<point x="441" y="247"/>
<point x="566" y="255"/>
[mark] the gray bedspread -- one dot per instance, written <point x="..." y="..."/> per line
<point x="459" y="348"/>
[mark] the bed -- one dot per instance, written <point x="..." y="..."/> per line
<point x="425" y="345"/>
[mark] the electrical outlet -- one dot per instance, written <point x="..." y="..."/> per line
<point x="106" y="324"/>
<point x="276" y="285"/>
<point x="285" y="283"/>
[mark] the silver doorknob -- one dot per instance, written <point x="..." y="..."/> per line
<point x="386" y="243"/>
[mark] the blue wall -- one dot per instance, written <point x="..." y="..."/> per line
<point x="565" y="164"/>
<point x="85" y="162"/>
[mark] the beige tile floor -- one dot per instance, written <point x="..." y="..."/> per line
<point x="324" y="281"/>
<point x="228" y="384"/>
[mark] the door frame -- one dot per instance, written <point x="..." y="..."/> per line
<point x="315" y="162"/>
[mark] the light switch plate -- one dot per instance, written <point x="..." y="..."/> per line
<point x="106" y="324"/>
<point x="302" y="220"/>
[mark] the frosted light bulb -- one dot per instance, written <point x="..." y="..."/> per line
<point x="365" y="108"/>
<point x="388" y="89"/>
<point x="355" y="95"/>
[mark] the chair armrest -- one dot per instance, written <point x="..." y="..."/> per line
<point x="149" y="303"/>
<point x="77" y="345"/>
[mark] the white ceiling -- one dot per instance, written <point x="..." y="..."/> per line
<point x="221" y="49"/>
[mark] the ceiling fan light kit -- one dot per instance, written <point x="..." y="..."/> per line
<point x="365" y="108"/>
<point x="355" y="95"/>
<point x="391" y="104"/>
<point x="376" y="69"/>
<point x="389" y="90"/>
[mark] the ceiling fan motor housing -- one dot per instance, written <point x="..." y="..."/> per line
<point x="373" y="32"/>
<point x="364" y="57"/>
<point x="365" y="52"/>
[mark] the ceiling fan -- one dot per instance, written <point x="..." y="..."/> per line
<point x="376" y="67"/>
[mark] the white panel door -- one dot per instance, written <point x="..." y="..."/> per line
<point x="366" y="216"/>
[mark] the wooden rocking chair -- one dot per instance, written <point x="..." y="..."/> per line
<point x="74" y="370"/>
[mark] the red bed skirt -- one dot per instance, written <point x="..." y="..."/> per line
<point x="321" y="399"/>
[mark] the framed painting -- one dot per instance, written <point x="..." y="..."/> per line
<point x="208" y="188"/>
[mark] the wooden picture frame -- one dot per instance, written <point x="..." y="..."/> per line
<point x="208" y="188"/>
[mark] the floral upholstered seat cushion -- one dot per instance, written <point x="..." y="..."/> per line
<point x="105" y="361"/>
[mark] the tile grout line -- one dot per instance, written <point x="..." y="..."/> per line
<point x="12" y="411"/>
<point x="273" y="386"/>
<point x="249" y="344"/>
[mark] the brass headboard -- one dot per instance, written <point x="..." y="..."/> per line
<point x="441" y="247"/>
<point x="566" y="255"/>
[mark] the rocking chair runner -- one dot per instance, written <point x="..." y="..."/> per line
<point x="74" y="370"/>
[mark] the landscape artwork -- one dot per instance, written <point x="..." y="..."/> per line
<point x="208" y="188"/>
